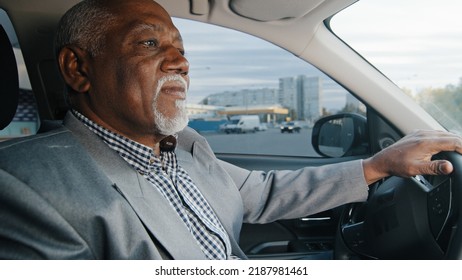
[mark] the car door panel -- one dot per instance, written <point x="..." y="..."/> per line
<point x="307" y="237"/>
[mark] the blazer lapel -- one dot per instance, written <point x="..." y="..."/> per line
<point x="213" y="183"/>
<point x="151" y="207"/>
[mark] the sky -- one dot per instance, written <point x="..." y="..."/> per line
<point x="416" y="43"/>
<point x="234" y="60"/>
<point x="416" y="46"/>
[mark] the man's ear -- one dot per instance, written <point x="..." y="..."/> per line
<point x="73" y="64"/>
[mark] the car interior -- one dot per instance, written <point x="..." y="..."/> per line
<point x="410" y="218"/>
<point x="9" y="80"/>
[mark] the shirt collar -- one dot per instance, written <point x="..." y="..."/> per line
<point x="140" y="156"/>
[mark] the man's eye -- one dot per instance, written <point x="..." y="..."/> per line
<point x="150" y="43"/>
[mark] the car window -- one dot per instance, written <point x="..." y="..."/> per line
<point x="246" y="93"/>
<point x="417" y="47"/>
<point x="26" y="120"/>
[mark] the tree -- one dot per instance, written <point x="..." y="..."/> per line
<point x="444" y="104"/>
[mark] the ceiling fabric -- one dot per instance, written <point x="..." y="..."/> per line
<point x="264" y="10"/>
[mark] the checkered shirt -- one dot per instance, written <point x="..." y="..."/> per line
<point x="172" y="181"/>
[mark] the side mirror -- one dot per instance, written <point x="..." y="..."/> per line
<point x="341" y="135"/>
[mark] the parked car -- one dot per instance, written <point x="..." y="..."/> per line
<point x="405" y="218"/>
<point x="290" y="127"/>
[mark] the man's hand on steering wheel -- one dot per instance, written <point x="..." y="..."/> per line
<point x="412" y="155"/>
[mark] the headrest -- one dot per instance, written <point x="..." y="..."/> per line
<point x="9" y="82"/>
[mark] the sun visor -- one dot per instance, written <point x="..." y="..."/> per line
<point x="264" y="10"/>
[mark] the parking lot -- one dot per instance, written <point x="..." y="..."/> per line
<point x="271" y="142"/>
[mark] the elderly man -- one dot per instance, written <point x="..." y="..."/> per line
<point x="124" y="179"/>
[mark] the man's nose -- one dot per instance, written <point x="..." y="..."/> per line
<point x="175" y="62"/>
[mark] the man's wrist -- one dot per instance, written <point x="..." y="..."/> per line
<point x="372" y="172"/>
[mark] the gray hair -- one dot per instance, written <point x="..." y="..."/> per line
<point x="84" y="25"/>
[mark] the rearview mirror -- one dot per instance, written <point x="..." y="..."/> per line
<point x="341" y="135"/>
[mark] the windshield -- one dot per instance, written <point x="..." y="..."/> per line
<point x="415" y="43"/>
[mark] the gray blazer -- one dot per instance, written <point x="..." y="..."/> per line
<point x="65" y="195"/>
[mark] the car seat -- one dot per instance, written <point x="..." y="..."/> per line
<point x="9" y="81"/>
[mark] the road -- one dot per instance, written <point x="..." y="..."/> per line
<point x="271" y="142"/>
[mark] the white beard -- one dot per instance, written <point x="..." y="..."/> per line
<point x="164" y="124"/>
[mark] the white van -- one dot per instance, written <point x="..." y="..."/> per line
<point x="242" y="124"/>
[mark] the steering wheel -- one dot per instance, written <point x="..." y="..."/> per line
<point x="406" y="218"/>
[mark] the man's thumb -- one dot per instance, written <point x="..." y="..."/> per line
<point x="441" y="167"/>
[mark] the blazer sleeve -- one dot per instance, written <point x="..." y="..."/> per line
<point x="31" y="228"/>
<point x="274" y="195"/>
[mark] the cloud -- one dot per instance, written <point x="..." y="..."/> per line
<point x="225" y="60"/>
<point x="416" y="45"/>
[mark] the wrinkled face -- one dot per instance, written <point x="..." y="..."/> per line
<point x="139" y="81"/>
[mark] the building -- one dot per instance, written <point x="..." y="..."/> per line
<point x="245" y="97"/>
<point x="200" y="111"/>
<point x="300" y="97"/>
<point x="288" y="94"/>
<point x="303" y="96"/>
<point x="309" y="98"/>
<point x="263" y="102"/>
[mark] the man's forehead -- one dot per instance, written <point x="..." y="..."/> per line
<point x="138" y="26"/>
